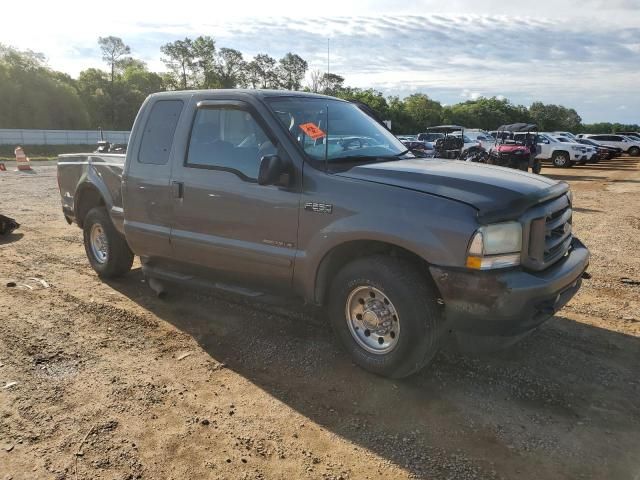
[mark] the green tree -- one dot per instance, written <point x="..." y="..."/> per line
<point x="135" y="84"/>
<point x="373" y="98"/>
<point x="291" y="70"/>
<point x="95" y="92"/>
<point x="486" y="113"/>
<point x="34" y="96"/>
<point x="113" y="53"/>
<point x="263" y="72"/>
<point x="554" y="117"/>
<point x="131" y="87"/>
<point x="401" y="121"/>
<point x="331" y="83"/>
<point x="230" y="68"/>
<point x="607" y="127"/>
<point x="423" y="111"/>
<point x="204" y="71"/>
<point x="181" y="62"/>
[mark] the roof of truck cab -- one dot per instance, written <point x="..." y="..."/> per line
<point x="242" y="91"/>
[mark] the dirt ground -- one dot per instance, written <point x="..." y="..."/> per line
<point x="113" y="383"/>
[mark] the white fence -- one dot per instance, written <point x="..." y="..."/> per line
<point x="59" y="137"/>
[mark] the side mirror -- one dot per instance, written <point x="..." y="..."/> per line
<point x="273" y="171"/>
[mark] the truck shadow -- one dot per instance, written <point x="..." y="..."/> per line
<point x="462" y="412"/>
<point x="11" y="238"/>
<point x="573" y="173"/>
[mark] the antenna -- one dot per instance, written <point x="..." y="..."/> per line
<point x="328" y="59"/>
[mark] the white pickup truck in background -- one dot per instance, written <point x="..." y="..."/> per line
<point x="560" y="154"/>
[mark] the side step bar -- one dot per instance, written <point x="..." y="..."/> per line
<point x="157" y="275"/>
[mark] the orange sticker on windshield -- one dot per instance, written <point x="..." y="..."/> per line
<point x="313" y="131"/>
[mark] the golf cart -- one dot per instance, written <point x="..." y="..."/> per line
<point x="516" y="147"/>
<point x="448" y="146"/>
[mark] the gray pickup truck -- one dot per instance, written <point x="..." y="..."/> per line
<point x="305" y="195"/>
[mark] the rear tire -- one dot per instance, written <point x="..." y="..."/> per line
<point x="561" y="160"/>
<point x="386" y="315"/>
<point x="634" y="151"/>
<point x="107" y="250"/>
<point x="537" y="166"/>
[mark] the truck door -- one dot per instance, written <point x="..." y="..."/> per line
<point x="544" y="148"/>
<point x="146" y="191"/>
<point x="223" y="219"/>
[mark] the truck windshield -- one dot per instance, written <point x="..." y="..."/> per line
<point x="349" y="135"/>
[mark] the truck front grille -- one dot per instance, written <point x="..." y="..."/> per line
<point x="549" y="233"/>
<point x="557" y="233"/>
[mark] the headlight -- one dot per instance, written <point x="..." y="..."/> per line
<point x="576" y="149"/>
<point x="495" y="246"/>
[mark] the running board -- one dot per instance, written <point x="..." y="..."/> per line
<point x="154" y="272"/>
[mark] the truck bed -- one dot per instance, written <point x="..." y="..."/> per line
<point x="75" y="169"/>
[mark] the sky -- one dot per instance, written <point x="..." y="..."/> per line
<point x="583" y="54"/>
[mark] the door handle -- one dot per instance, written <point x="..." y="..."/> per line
<point x="177" y="189"/>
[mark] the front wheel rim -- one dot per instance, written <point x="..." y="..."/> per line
<point x="372" y="319"/>
<point x="99" y="244"/>
<point x="561" y="160"/>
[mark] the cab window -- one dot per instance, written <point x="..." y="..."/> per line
<point x="228" y="139"/>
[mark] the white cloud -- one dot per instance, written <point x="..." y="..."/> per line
<point x="559" y="59"/>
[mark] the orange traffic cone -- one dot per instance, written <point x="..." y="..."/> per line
<point x="22" y="160"/>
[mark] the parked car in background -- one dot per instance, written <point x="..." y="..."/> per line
<point x="560" y="154"/>
<point x="418" y="148"/>
<point x="591" y="151"/>
<point x="568" y="135"/>
<point x="605" y="152"/>
<point x="628" y="145"/>
<point x="632" y="135"/>
<point x="485" y="139"/>
<point x="470" y="143"/>
<point x="429" y="136"/>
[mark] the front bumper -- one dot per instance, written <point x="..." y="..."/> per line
<point x="509" y="303"/>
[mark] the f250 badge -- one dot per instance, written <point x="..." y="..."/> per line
<point x="318" y="207"/>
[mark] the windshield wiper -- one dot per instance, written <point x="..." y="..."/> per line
<point x="402" y="153"/>
<point x="360" y="158"/>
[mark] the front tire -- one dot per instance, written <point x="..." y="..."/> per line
<point x="561" y="160"/>
<point x="386" y="315"/>
<point x="107" y="250"/>
<point x="634" y="151"/>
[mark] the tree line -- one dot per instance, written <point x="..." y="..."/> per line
<point x="32" y="95"/>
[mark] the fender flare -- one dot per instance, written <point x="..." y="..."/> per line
<point x="90" y="181"/>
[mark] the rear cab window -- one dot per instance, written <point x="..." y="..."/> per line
<point x="157" y="138"/>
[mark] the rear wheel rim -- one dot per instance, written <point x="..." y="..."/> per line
<point x="99" y="243"/>
<point x="372" y="319"/>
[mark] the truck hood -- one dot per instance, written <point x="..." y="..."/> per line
<point x="497" y="193"/>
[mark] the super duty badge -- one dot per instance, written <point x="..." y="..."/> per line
<point x="318" y="207"/>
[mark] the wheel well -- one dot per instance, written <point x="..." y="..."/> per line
<point x="88" y="198"/>
<point x="339" y="256"/>
<point x="560" y="151"/>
